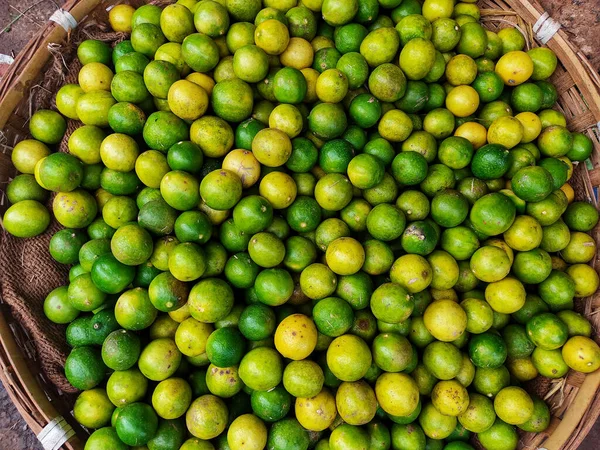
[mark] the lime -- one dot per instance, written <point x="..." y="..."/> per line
<point x="417" y="49"/>
<point x="122" y="118"/>
<point x="386" y="222"/>
<point x="449" y="208"/>
<point x="581" y="149"/>
<point x="455" y="152"/>
<point x="487" y="350"/>
<point x="544" y="63"/>
<point x="409" y="168"/>
<point x="200" y="52"/>
<point x="439" y="123"/>
<point x="365" y="110"/>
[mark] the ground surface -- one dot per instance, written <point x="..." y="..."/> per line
<point x="580" y="18"/>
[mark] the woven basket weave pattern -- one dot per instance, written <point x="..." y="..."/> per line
<point x="28" y="273"/>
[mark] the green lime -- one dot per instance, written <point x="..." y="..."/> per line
<point x="304" y="155"/>
<point x="439" y="177"/>
<point x="355" y="67"/>
<point x="333" y="316"/>
<point x="134" y="61"/>
<point x="47" y="126"/>
<point x="532" y="267"/>
<point x="455" y="152"/>
<point x="241" y="271"/>
<point x="58" y="308"/>
<point x="549" y="210"/>
<point x="499" y="435"/>
<point x="185" y="155"/>
<point x="555" y="140"/>
<point x="146" y="37"/>
<point x="200" y="52"/>
<point x="517" y="342"/>
<point x="257" y="322"/>
<point x="131" y="245"/>
<point x="225" y="347"/>
<point x="489" y="86"/>
<point x="487" y="350"/>
<point x="348" y="38"/>
<point x="439" y="123"/>
<point x="409" y="168"/>
<point x="327" y="120"/>
<point x="419" y="238"/>
<point x="490" y="381"/>
<point x="473" y="40"/>
<point x="550" y="95"/>
<point x="266" y="249"/>
<point x="492" y="214"/>
<point x="245" y="132"/>
<point x="59" y="172"/>
<point x="65" y="245"/>
<point x="365" y="110"/>
<point x="449" y="208"/>
<point x="110" y="275"/>
<point x="490" y="162"/>
<point x="547" y="331"/>
<point x="437" y="97"/>
<point x="232" y="100"/>
<point x="386" y="222"/>
<point x="105" y="438"/>
<point x="532" y="183"/>
<point x="581" y="149"/>
<point x="164" y="129"/>
<point x="414" y="204"/>
<point x="460" y="242"/>
<point x="123" y="118"/>
<point x="387" y="83"/>
<point x="271" y="406"/>
<point x="93" y="107"/>
<point x="445" y="34"/>
<point x="356" y="289"/>
<point x="136" y="424"/>
<point x="253" y="214"/>
<point x="302" y="23"/>
<point x="210" y="300"/>
<point x="527" y="97"/>
<point x="443" y="360"/>
<point x="304" y="214"/>
<point x="121" y="349"/>
<point x="84" y="368"/>
<point x="125" y="47"/>
<point x="557" y="290"/>
<point x="581" y="216"/>
<point x="187" y="262"/>
<point x="326" y="58"/>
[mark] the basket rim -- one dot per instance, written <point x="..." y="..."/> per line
<point x="15" y="86"/>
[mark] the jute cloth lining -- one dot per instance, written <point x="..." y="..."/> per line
<point x="27" y="271"/>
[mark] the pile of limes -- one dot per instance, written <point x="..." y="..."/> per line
<point x="288" y="233"/>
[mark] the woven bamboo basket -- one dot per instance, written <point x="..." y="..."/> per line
<point x="24" y="366"/>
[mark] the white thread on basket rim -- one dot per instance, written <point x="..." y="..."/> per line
<point x="545" y="28"/>
<point x="6" y="59"/>
<point x="55" y="434"/>
<point x="64" y="19"/>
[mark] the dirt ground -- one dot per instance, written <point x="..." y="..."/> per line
<point x="20" y="20"/>
<point x="581" y="20"/>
